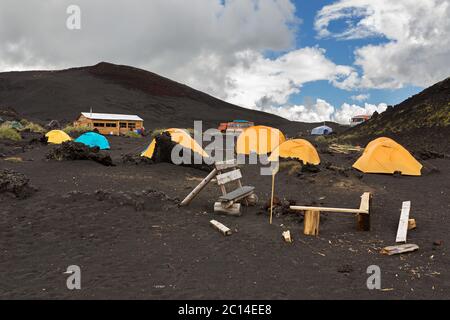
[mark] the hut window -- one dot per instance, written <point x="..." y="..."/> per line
<point x="131" y="125"/>
<point x="111" y="125"/>
<point x="123" y="124"/>
<point x="99" y="124"/>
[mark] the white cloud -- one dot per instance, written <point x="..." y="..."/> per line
<point x="360" y="97"/>
<point x="347" y="111"/>
<point x="417" y="50"/>
<point x="321" y="110"/>
<point x="258" y="81"/>
<point x="196" y="42"/>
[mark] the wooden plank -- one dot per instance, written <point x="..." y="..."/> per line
<point x="220" y="227"/>
<point x="222" y="165"/>
<point x="198" y="188"/>
<point x="229" y="176"/>
<point x="233" y="210"/>
<point x="403" y="248"/>
<point x="311" y="223"/>
<point x="237" y="194"/>
<point x="365" y="199"/>
<point x="402" y="230"/>
<point x="325" y="209"/>
<point x="412" y="224"/>
<point x="287" y="236"/>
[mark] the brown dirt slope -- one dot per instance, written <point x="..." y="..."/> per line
<point x="422" y="121"/>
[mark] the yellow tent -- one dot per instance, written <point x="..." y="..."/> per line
<point x="384" y="155"/>
<point x="57" y="137"/>
<point x="179" y="136"/>
<point x="296" y="148"/>
<point x="259" y="139"/>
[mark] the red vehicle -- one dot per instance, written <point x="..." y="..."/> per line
<point x="235" y="126"/>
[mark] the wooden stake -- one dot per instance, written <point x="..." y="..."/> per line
<point x="311" y="223"/>
<point x="271" y="199"/>
<point x="198" y="188"/>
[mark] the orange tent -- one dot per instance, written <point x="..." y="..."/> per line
<point x="384" y="155"/>
<point x="259" y="139"/>
<point x="297" y="148"/>
<point x="179" y="136"/>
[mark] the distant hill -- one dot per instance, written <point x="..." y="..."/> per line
<point x="421" y="122"/>
<point x="110" y="88"/>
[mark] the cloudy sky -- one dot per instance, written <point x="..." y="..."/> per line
<point x="306" y="60"/>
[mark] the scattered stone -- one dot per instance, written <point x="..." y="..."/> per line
<point x="438" y="243"/>
<point x="15" y="183"/>
<point x="310" y="168"/>
<point x="346" y="268"/>
<point x="71" y="150"/>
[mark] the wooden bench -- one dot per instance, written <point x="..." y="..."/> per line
<point x="226" y="172"/>
<point x="229" y="201"/>
<point x="312" y="215"/>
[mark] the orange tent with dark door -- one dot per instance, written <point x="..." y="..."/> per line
<point x="384" y="155"/>
<point x="179" y="136"/>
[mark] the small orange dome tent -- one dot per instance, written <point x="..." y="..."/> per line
<point x="179" y="136"/>
<point x="297" y="148"/>
<point x="384" y="155"/>
<point x="259" y="139"/>
<point x="57" y="137"/>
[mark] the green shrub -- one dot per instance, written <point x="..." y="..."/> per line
<point x="78" y="129"/>
<point x="9" y="133"/>
<point x="132" y="134"/>
<point x="159" y="131"/>
<point x="320" y="139"/>
<point x="33" y="127"/>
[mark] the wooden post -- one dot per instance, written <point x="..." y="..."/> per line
<point x="363" y="219"/>
<point x="311" y="223"/>
<point x="363" y="222"/>
<point x="198" y="188"/>
<point x="271" y="199"/>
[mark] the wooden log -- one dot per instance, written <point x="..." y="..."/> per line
<point x="402" y="230"/>
<point x="198" y="188"/>
<point x="220" y="227"/>
<point x="412" y="224"/>
<point x="233" y="210"/>
<point x="311" y="223"/>
<point x="402" y="248"/>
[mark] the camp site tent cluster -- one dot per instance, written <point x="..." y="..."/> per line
<point x="382" y="155"/>
<point x="90" y="139"/>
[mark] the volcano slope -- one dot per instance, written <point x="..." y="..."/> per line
<point x="420" y="123"/>
<point x="109" y="88"/>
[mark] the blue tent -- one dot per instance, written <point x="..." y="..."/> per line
<point x="92" y="139"/>
<point x="322" y="130"/>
